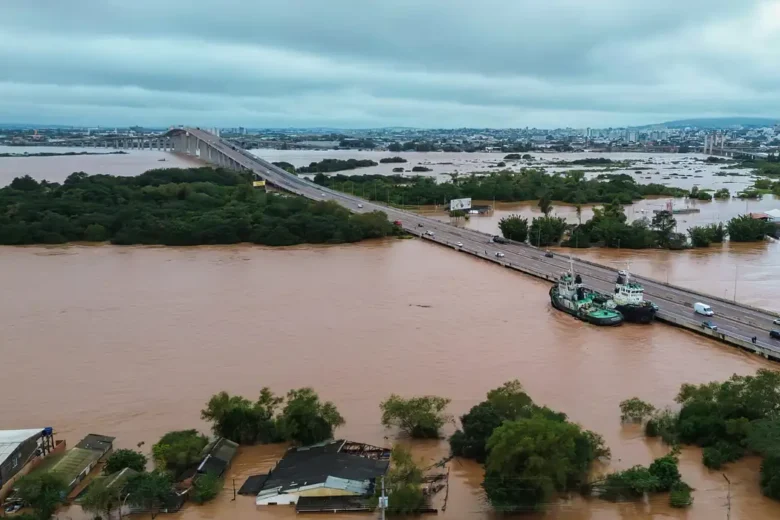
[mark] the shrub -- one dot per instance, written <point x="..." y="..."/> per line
<point x="420" y="417"/>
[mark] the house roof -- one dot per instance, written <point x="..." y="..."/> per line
<point x="95" y="442"/>
<point x="74" y="462"/>
<point x="311" y="465"/>
<point x="11" y="439"/>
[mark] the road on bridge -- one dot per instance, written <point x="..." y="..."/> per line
<point x="675" y="303"/>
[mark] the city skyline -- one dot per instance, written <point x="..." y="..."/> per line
<point x="353" y="65"/>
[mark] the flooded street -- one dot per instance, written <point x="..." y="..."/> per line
<point x="132" y="341"/>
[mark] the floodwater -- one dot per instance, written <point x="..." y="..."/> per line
<point x="681" y="170"/>
<point x="57" y="168"/>
<point x="132" y="341"/>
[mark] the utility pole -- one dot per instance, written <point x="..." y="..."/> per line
<point x="728" y="498"/>
<point x="383" y="500"/>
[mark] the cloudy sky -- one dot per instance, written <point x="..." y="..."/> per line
<point x="366" y="63"/>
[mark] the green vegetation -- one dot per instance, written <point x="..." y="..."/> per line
<point x="722" y="193"/>
<point x="43" y="492"/>
<point x="205" y="488"/>
<point x="149" y="491"/>
<point x="58" y="154"/>
<point x="177" y="451"/>
<point x="285" y="166"/>
<point x="173" y="207"/>
<point x="336" y="165"/>
<point x="546" y="231"/>
<point x="514" y="227"/>
<point x="303" y="419"/>
<point x="698" y="194"/>
<point x="121" y="459"/>
<point x="729" y="420"/>
<point x="661" y="476"/>
<point x="403" y="484"/>
<point x="101" y="499"/>
<point x="744" y="228"/>
<point x="528" y="184"/>
<point x="420" y="169"/>
<point x="419" y="417"/>
<point x="392" y="160"/>
<point x="635" y="410"/>
<point x="530" y="452"/>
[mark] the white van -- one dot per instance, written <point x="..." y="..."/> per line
<point x="702" y="308"/>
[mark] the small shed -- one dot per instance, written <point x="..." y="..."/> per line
<point x="217" y="456"/>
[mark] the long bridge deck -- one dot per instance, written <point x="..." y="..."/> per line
<point x="737" y="323"/>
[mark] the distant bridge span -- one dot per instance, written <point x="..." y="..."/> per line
<point x="737" y="323"/>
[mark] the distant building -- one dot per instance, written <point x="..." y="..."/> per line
<point x="329" y="469"/>
<point x="17" y="447"/>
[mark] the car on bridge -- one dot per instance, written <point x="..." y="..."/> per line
<point x="360" y="205"/>
<point x="709" y="325"/>
<point x="776" y="321"/>
<point x="430" y="233"/>
<point x="499" y="254"/>
<point x="774" y="334"/>
<point x="459" y="244"/>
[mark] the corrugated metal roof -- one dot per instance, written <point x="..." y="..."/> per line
<point x="11" y="439"/>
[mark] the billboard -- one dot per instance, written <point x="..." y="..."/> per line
<point x="462" y="204"/>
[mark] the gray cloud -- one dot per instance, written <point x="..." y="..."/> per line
<point x="413" y="63"/>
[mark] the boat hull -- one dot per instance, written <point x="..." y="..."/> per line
<point x="595" y="320"/>
<point x="638" y="313"/>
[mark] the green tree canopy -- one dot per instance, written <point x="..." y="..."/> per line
<point x="403" y="483"/>
<point x="745" y="228"/>
<point x="306" y="420"/>
<point x="43" y="492"/>
<point x="101" y="499"/>
<point x="149" y="491"/>
<point x="179" y="450"/>
<point x="635" y="410"/>
<point x="420" y="417"/>
<point x="121" y="459"/>
<point x="514" y="227"/>
<point x="243" y="421"/>
<point x="546" y="231"/>
<point x="205" y="488"/>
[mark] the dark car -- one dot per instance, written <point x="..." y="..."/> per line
<point x="548" y="254"/>
<point x="774" y="334"/>
<point x="709" y="325"/>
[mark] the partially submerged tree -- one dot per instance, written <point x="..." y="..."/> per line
<point x="101" y="499"/>
<point x="149" y="491"/>
<point x="179" y="450"/>
<point x="306" y="420"/>
<point x="635" y="410"/>
<point x="514" y="227"/>
<point x="43" y="492"/>
<point x="241" y="420"/>
<point x="121" y="459"/>
<point x="403" y="483"/>
<point x="421" y="417"/>
<point x="205" y="488"/>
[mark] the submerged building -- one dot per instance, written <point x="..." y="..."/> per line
<point x="330" y="469"/>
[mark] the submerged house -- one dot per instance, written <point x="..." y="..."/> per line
<point x="330" y="469"/>
<point x="77" y="463"/>
<point x="217" y="456"/>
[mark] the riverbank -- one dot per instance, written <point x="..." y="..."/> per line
<point x="200" y="309"/>
<point x="59" y="154"/>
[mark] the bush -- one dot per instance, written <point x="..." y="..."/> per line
<point x="680" y="495"/>
<point x="178" y="451"/>
<point x="714" y="457"/>
<point x="770" y="475"/>
<point x="420" y="417"/>
<point x="744" y="228"/>
<point x="635" y="410"/>
<point x="305" y="420"/>
<point x="205" y="488"/>
<point x="514" y="227"/>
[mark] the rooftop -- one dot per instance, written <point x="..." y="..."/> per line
<point x="95" y="442"/>
<point x="11" y="439"/>
<point x="325" y="462"/>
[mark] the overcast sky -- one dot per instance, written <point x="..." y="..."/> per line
<point x="366" y="63"/>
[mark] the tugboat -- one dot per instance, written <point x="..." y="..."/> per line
<point x="569" y="295"/>
<point x="630" y="300"/>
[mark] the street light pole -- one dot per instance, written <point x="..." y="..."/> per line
<point x="383" y="500"/>
<point x="736" y="274"/>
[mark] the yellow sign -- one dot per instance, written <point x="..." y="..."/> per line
<point x="259" y="184"/>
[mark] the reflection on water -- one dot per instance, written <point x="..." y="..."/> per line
<point x="131" y="342"/>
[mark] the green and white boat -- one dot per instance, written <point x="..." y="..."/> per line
<point x="570" y="296"/>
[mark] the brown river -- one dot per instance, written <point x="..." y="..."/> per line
<point x="132" y="341"/>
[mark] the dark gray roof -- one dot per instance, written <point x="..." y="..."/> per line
<point x="314" y="464"/>
<point x="96" y="442"/>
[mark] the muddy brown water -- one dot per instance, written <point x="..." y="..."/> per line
<point x="132" y="341"/>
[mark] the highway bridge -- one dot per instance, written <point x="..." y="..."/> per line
<point x="737" y="324"/>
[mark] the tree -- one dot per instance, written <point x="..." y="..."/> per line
<point x="514" y="227"/>
<point x="578" y="212"/>
<point x="700" y="236"/>
<point x="680" y="495"/>
<point x="177" y="451"/>
<point x="205" y="488"/>
<point x="420" y="417"/>
<point x="545" y="205"/>
<point x="635" y="410"/>
<point x="121" y="459"/>
<point x="664" y="224"/>
<point x="530" y="459"/>
<point x="745" y="228"/>
<point x="306" y="420"/>
<point x="716" y="232"/>
<point x="149" y="491"/>
<point x="43" y="492"/>
<point x="770" y="475"/>
<point x="546" y="231"/>
<point x="722" y="193"/>
<point x="403" y="483"/>
<point x="25" y="183"/>
<point x="101" y="499"/>
<point x="242" y="421"/>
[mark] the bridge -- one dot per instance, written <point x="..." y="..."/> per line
<point x="737" y="323"/>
